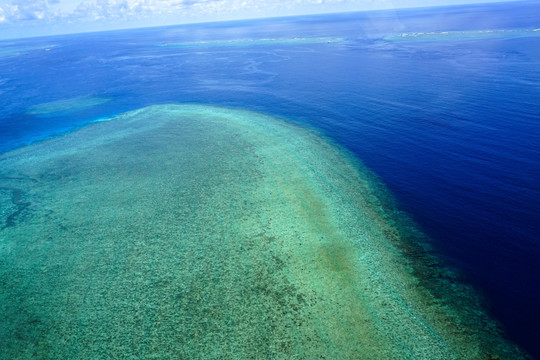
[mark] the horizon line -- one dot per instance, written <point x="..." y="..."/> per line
<point x="255" y="18"/>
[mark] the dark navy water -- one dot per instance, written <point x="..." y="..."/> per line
<point x="451" y="125"/>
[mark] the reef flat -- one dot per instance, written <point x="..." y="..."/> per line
<point x="199" y="232"/>
<point x="463" y="35"/>
<point x="8" y="49"/>
<point x="66" y="106"/>
<point x="255" y="42"/>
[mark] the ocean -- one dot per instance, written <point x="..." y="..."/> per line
<point x="441" y="104"/>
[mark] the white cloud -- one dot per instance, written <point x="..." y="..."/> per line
<point x="91" y="10"/>
<point x="27" y="10"/>
<point x="130" y="9"/>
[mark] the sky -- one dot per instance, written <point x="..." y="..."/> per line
<point x="26" y="18"/>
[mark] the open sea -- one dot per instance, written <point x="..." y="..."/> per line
<point x="442" y="104"/>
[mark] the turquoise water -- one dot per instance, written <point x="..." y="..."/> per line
<point x="193" y="231"/>
<point x="463" y="35"/>
<point x="66" y="106"/>
<point x="255" y="42"/>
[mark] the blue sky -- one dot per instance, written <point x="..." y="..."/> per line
<point x="22" y="18"/>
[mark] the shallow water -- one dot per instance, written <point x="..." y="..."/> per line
<point x="463" y="35"/>
<point x="255" y="42"/>
<point x="66" y="106"/>
<point x="203" y="232"/>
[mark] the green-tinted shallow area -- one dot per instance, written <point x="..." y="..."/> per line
<point x="463" y="35"/>
<point x="66" y="105"/>
<point x="255" y="42"/>
<point x="198" y="232"/>
<point x="9" y="49"/>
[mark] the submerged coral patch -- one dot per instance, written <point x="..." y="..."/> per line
<point x="463" y="35"/>
<point x="66" y="105"/>
<point x="10" y="50"/>
<point x="255" y="42"/>
<point x="200" y="232"/>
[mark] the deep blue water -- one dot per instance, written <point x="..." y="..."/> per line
<point x="451" y="125"/>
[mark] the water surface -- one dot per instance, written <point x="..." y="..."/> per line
<point x="449" y="124"/>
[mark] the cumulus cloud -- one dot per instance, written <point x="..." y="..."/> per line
<point x="54" y="10"/>
<point x="24" y="10"/>
<point x="102" y="10"/>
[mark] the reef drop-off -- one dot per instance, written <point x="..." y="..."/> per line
<point x="201" y="232"/>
